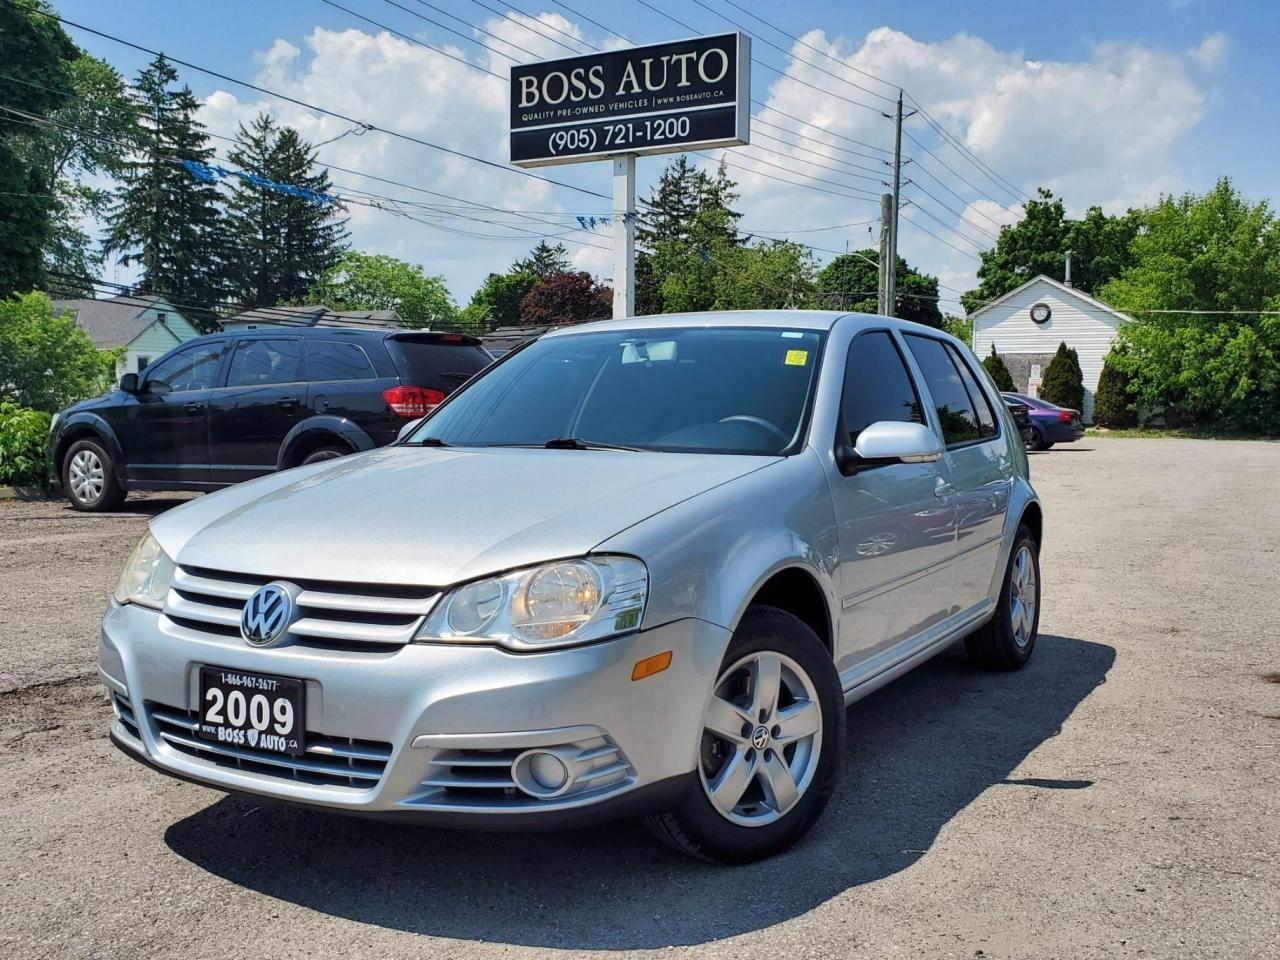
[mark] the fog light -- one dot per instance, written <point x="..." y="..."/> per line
<point x="541" y="774"/>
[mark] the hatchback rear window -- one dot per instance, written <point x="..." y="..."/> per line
<point x="432" y="361"/>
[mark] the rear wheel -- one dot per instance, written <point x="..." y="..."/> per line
<point x="325" y="453"/>
<point x="89" y="477"/>
<point x="771" y="748"/>
<point x="1039" y="441"/>
<point x="1007" y="640"/>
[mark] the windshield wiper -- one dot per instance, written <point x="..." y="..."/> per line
<point x="575" y="443"/>
<point x="431" y="442"/>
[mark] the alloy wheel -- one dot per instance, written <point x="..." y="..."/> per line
<point x="86" y="476"/>
<point x="1022" y="596"/>
<point x="761" y="739"/>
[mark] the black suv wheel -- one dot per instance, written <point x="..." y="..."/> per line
<point x="89" y="477"/>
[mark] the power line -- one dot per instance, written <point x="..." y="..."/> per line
<point x="955" y="213"/>
<point x="973" y="158"/>
<point x="596" y="23"/>
<point x="451" y="16"/>
<point x="540" y="23"/>
<point x="406" y="37"/>
<point x="922" y="229"/>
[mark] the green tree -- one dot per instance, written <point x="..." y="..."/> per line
<point x="498" y="299"/>
<point x="1038" y="244"/>
<point x="1063" y="381"/>
<point x="46" y="361"/>
<point x="1217" y="252"/>
<point x="366" y="281"/>
<point x="959" y="327"/>
<point x="280" y="244"/>
<point x="543" y="260"/>
<point x="566" y="297"/>
<point x="89" y="141"/>
<point x="35" y="52"/>
<point x="1112" y="403"/>
<point x="850" y="282"/>
<point x="999" y="373"/>
<point x="165" y="219"/>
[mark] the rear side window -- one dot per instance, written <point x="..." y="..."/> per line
<point x="950" y="398"/>
<point x="260" y="362"/>
<point x="877" y="385"/>
<point x="440" y="364"/>
<point x="329" y="360"/>
<point x="986" y="416"/>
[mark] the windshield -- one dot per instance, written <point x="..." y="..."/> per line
<point x="707" y="390"/>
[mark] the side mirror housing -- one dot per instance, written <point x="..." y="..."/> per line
<point x="889" y="441"/>
<point x="129" y="383"/>
<point x="408" y="428"/>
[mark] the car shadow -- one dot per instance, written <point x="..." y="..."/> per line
<point x="918" y="752"/>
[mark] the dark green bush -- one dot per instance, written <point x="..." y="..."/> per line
<point x="999" y="372"/>
<point x="23" y="462"/>
<point x="1063" y="382"/>
<point x="1113" y="405"/>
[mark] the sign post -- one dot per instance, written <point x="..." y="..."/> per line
<point x="664" y="98"/>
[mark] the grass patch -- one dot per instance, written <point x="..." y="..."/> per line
<point x="1172" y="433"/>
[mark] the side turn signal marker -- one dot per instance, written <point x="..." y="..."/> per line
<point x="651" y="665"/>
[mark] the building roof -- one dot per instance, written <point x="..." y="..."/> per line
<point x="1061" y="288"/>
<point x="115" y="322"/>
<point x="317" y="315"/>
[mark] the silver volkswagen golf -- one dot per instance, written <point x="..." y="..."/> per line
<point x="637" y="567"/>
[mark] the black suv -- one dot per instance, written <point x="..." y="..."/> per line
<point x="232" y="406"/>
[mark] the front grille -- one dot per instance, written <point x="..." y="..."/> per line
<point x="343" y="615"/>
<point x="329" y="761"/>
<point x="124" y="713"/>
<point x="483" y="778"/>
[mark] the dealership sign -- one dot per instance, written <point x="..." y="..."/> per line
<point x="643" y="100"/>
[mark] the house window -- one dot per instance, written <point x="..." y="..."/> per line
<point x="142" y="363"/>
<point x="160" y="315"/>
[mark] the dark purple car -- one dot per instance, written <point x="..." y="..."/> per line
<point x="1050" y="424"/>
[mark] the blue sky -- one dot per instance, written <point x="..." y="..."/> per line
<point x="1200" y="103"/>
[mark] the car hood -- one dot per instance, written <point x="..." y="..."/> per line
<point x="413" y="515"/>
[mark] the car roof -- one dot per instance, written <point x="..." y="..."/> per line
<point x="814" y="320"/>
<point x="330" y="333"/>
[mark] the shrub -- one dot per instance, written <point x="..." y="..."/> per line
<point x="47" y="362"/>
<point x="23" y="462"/>
<point x="999" y="372"/>
<point x="1113" y="405"/>
<point x="1063" y="382"/>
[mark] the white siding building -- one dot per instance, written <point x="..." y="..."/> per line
<point x="1027" y="324"/>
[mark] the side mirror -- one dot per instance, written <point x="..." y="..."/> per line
<point x="408" y="428"/>
<point x="889" y="441"/>
<point x="129" y="383"/>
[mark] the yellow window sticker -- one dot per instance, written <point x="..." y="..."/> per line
<point x="796" y="358"/>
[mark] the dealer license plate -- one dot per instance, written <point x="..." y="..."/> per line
<point x="252" y="710"/>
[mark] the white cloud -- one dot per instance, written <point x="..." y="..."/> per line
<point x="1210" y="53"/>
<point x="1104" y="130"/>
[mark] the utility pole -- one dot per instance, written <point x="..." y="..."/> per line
<point x="884" y="300"/>
<point x="624" y="236"/>
<point x="892" y="268"/>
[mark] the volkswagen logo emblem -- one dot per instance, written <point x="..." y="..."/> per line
<point x="760" y="737"/>
<point x="267" y="614"/>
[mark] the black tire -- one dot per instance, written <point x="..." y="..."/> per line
<point x="1038" y="442"/>
<point x="996" y="644"/>
<point x="98" y="490"/>
<point x="325" y="453"/>
<point x="697" y="827"/>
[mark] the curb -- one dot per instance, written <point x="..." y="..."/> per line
<point x="24" y="493"/>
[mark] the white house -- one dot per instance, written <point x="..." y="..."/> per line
<point x="146" y="326"/>
<point x="1027" y="324"/>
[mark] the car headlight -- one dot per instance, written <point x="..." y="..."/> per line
<point x="553" y="605"/>
<point x="146" y="576"/>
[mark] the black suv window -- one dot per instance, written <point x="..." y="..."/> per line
<point x="259" y="362"/>
<point x="336" y="360"/>
<point x="986" y="416"/>
<point x="950" y="399"/>
<point x="877" y="385"/>
<point x="442" y="363"/>
<point x="195" y="368"/>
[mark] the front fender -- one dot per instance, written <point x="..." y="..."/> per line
<point x="78" y="425"/>
<point x="339" y="427"/>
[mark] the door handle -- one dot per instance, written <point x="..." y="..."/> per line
<point x="941" y="488"/>
<point x="193" y="406"/>
<point x="287" y="402"/>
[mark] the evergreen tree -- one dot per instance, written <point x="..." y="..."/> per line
<point x="1112" y="403"/>
<point x="543" y="261"/>
<point x="280" y="244"/>
<point x="1063" y="382"/>
<point x="999" y="373"/>
<point x="165" y="218"/>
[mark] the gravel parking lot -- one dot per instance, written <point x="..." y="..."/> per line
<point x="1120" y="797"/>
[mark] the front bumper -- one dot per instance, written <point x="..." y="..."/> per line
<point x="440" y="725"/>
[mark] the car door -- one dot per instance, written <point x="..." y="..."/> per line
<point x="897" y="521"/>
<point x="163" y="428"/>
<point x="264" y="396"/>
<point x="978" y="459"/>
